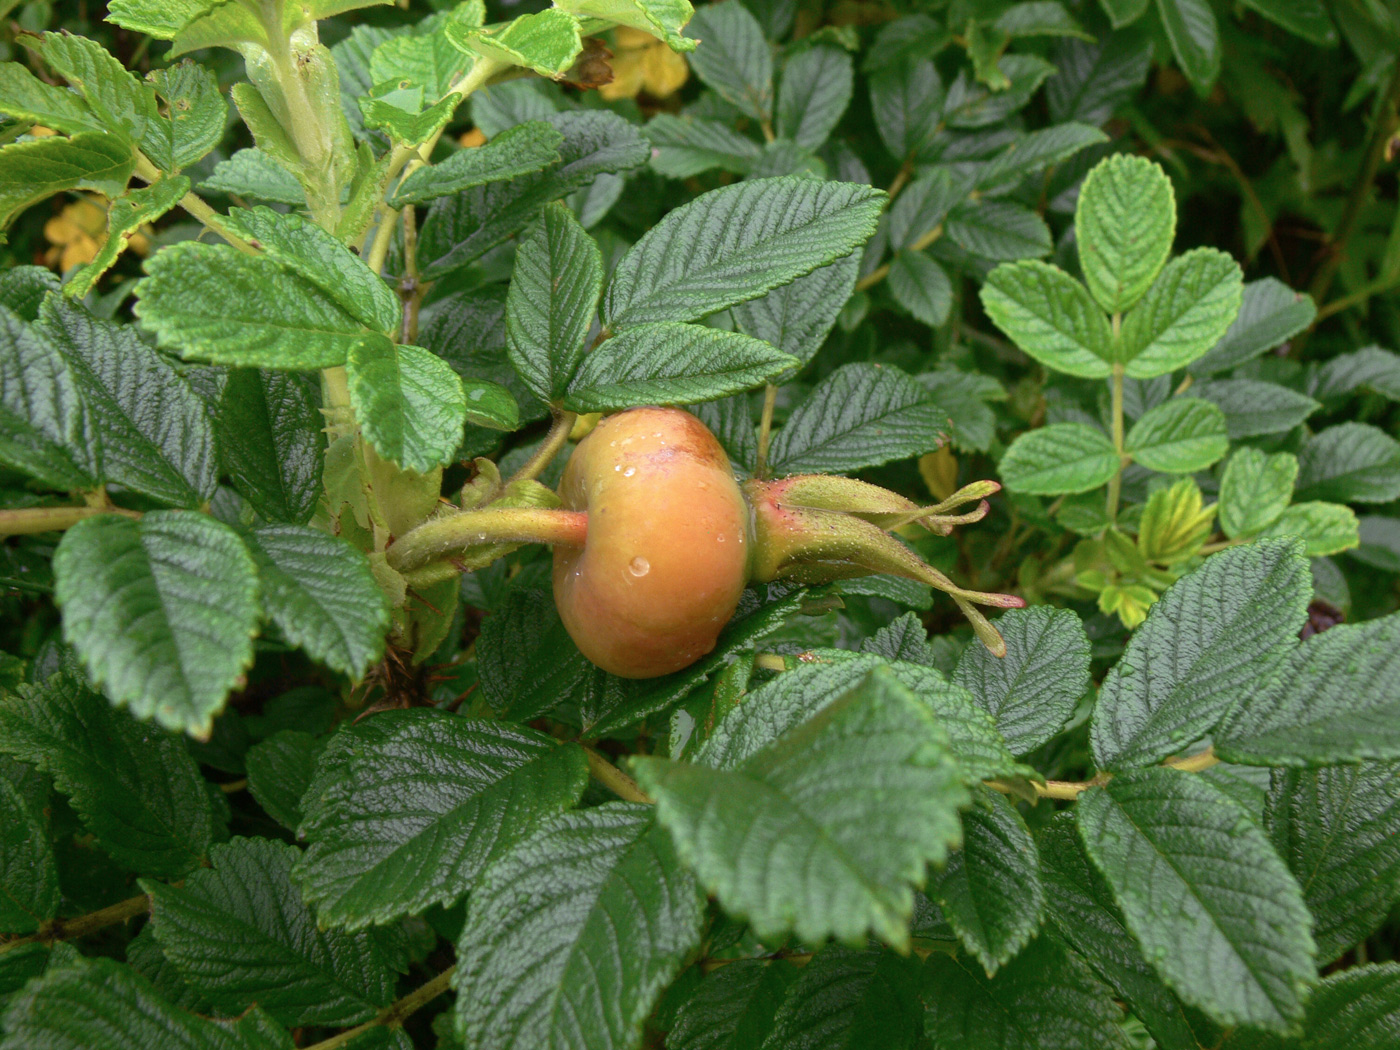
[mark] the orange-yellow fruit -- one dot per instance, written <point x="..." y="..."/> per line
<point x="666" y="555"/>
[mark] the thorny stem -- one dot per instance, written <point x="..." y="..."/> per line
<point x="557" y="437"/>
<point x="1115" y="483"/>
<point x="29" y="520"/>
<point x="395" y="1013"/>
<point x="614" y="779"/>
<point x="65" y="929"/>
<point x="765" y="431"/>
<point x="878" y="274"/>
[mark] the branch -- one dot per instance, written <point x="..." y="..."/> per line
<point x="65" y="929"/>
<point x="395" y="1013"/>
<point x="614" y="779"/>
<point x="557" y="437"/>
<point x="29" y="520"/>
<point x="878" y="274"/>
<point x="195" y="205"/>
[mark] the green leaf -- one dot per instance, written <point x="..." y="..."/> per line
<point x="554" y="292"/>
<point x="1369" y="369"/>
<point x="399" y="111"/>
<point x="22" y="289"/>
<point x="733" y="58"/>
<point x="1057" y="459"/>
<point x="861" y="415"/>
<point x="1195" y="39"/>
<point x="1094" y="81"/>
<point x="734" y="244"/>
<point x="1185" y="312"/>
<point x="1354" y="1009"/>
<point x="1324" y="528"/>
<point x="527" y="662"/>
<point x="546" y="42"/>
<point x="137" y="790"/>
<point x="211" y="302"/>
<point x="906" y="639"/>
<point x="1124" y="224"/>
<point x="462" y="227"/>
<point x="906" y="100"/>
<point x="238" y="932"/>
<point x="426" y="58"/>
<point x="124" y="217"/>
<point x="1253" y="408"/>
<point x="1254" y="490"/>
<point x="1180" y="436"/>
<point x="670" y="363"/>
<point x="198" y="115"/>
<point x="796" y="318"/>
<point x="574" y="934"/>
<point x="1083" y="911"/>
<point x="922" y="207"/>
<point x="1204" y="893"/>
<point x="922" y="287"/>
<point x="1208" y="641"/>
<point x="1338" y="829"/>
<point x="29" y="892"/>
<point x="999" y="230"/>
<point x="279" y="772"/>
<point x="322" y="596"/>
<point x="1270" y="313"/>
<point x="1336" y="698"/>
<point x="253" y="173"/>
<point x="990" y="890"/>
<point x="409" y="808"/>
<point x="1033" y="689"/>
<point x="102" y="1003"/>
<point x="1350" y="463"/>
<point x="848" y="999"/>
<point x="120" y="102"/>
<point x="733" y="1007"/>
<point x="270" y="443"/>
<point x="1306" y="18"/>
<point x="46" y="430"/>
<point x="815" y="91"/>
<point x="1380" y="542"/>
<point x="823" y="831"/>
<point x="156" y="435"/>
<point x="971" y="105"/>
<point x="26" y="98"/>
<point x="1040" y="18"/>
<point x="685" y="146"/>
<point x="1046" y="997"/>
<point x="35" y="170"/>
<point x="517" y="151"/>
<point x="162" y="612"/>
<point x="1050" y="316"/>
<point x="410" y="404"/>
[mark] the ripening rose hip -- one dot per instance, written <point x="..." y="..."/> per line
<point x="666" y="554"/>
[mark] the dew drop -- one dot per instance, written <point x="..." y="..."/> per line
<point x="720" y="537"/>
<point x="629" y="472"/>
<point x="639" y="566"/>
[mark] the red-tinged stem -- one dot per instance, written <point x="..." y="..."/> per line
<point x="452" y="534"/>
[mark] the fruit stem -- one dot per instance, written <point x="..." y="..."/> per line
<point x="442" y="537"/>
<point x="549" y="448"/>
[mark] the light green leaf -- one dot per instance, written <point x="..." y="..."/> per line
<point x="815" y="91"/>
<point x="120" y="102"/>
<point x="410" y="404"/>
<point x="1124" y="224"/>
<point x="125" y="216"/>
<point x="546" y="42"/>
<point x="797" y="317"/>
<point x="198" y="115"/>
<point x="999" y="230"/>
<point x="211" y="302"/>
<point x="1350" y="463"/>
<point x="424" y="59"/>
<point x="1033" y="689"/>
<point x="24" y="97"/>
<point x="670" y="363"/>
<point x="239" y="933"/>
<point x="823" y="831"/>
<point x="861" y="415"/>
<point x="1324" y="528"/>
<point x="1058" y="459"/>
<point x="734" y="244"/>
<point x="253" y="173"/>
<point x="1253" y="408"/>
<point x="322" y="596"/>
<point x="102" y="1003"/>
<point x="1185" y="312"/>
<point x="1270" y="313"/>
<point x="1204" y="893"/>
<point x="46" y="430"/>
<point x="733" y="58"/>
<point x="303" y="248"/>
<point x="517" y="151"/>
<point x="663" y="19"/>
<point x="156" y="435"/>
<point x="574" y="935"/>
<point x="1180" y="436"/>
<point x="161" y="19"/>
<point x="1195" y="39"/>
<point x="1338" y="829"/>
<point x="137" y="790"/>
<point x="35" y="170"/>
<point x="400" y="112"/>
<point x="1207" y="643"/>
<point x="1335" y="699"/>
<point x="922" y="287"/>
<point x="29" y="892"/>
<point x="554" y="292"/>
<point x="1254" y="490"/>
<point x="686" y="146"/>
<point x="990" y="890"/>
<point x="409" y="808"/>
<point x="162" y="612"/>
<point x="1050" y="316"/>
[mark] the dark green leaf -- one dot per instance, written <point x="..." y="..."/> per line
<point x="999" y="230"/>
<point x="1253" y="408"/>
<point x="1350" y="463"/>
<point x="816" y="90"/>
<point x="906" y="100"/>
<point x="797" y="317"/>
<point x="270" y="442"/>
<point x="922" y="287"/>
<point x="732" y="1008"/>
<point x="1094" y="80"/>
<point x="527" y="661"/>
<point x="733" y="58"/>
<point x="1368" y="369"/>
<point x="28" y="875"/>
<point x="1270" y="312"/>
<point x="1195" y="39"/>
<point x="517" y="151"/>
<point x="848" y="999"/>
<point x="686" y="146"/>
<point x="279" y="772"/>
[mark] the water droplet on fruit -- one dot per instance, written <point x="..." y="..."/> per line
<point x="639" y="566"/>
<point x="720" y="537"/>
<point x="629" y="472"/>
